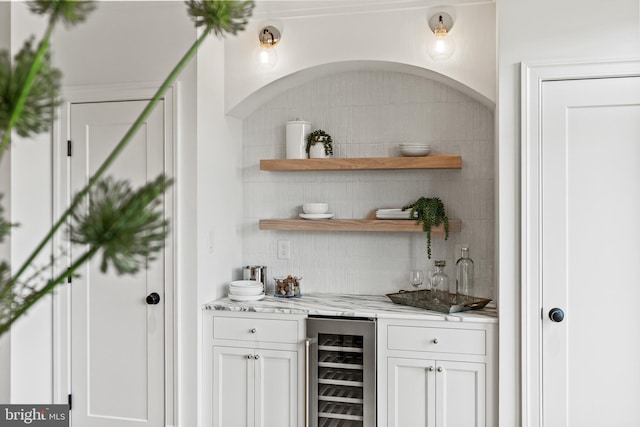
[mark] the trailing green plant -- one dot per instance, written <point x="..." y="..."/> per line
<point x="107" y="215"/>
<point x="320" y="137"/>
<point x="430" y="212"/>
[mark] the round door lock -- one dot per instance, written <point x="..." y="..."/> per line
<point x="556" y="314"/>
<point x="153" y="298"/>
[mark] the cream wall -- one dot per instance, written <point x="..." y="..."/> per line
<point x="552" y="32"/>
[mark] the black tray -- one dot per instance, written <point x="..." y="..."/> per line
<point x="422" y="299"/>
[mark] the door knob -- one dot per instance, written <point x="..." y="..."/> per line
<point x="556" y="314"/>
<point x="153" y="298"/>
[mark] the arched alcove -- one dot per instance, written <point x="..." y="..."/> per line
<point x="368" y="108"/>
<point x="246" y="106"/>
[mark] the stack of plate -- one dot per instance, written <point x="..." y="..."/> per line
<point x="414" y="149"/>
<point x="393" y="214"/>
<point x="246" y="290"/>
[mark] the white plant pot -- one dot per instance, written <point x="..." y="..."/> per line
<point x="316" y="151"/>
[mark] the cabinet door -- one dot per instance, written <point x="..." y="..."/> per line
<point x="276" y="388"/>
<point x="461" y="394"/>
<point x="233" y="387"/>
<point x="411" y="392"/>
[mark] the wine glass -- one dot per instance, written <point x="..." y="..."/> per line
<point x="416" y="277"/>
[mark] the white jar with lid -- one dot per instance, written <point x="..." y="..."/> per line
<point x="297" y="131"/>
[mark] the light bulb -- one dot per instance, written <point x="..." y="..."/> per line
<point x="442" y="45"/>
<point x="267" y="57"/>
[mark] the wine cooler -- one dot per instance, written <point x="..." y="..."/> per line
<point x="341" y="372"/>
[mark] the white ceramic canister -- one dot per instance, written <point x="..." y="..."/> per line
<point x="297" y="131"/>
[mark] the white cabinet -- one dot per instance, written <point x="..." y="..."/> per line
<point x="432" y="375"/>
<point x="254" y="370"/>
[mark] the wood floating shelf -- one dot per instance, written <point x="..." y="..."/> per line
<point x="385" y="225"/>
<point x="432" y="161"/>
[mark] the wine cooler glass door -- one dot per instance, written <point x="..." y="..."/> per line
<point x="341" y="372"/>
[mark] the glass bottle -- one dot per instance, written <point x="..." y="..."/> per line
<point x="439" y="283"/>
<point x="464" y="277"/>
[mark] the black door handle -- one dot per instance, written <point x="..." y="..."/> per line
<point x="556" y="314"/>
<point x="153" y="298"/>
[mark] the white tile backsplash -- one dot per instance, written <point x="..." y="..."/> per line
<point x="368" y="113"/>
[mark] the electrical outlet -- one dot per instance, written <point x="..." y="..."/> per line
<point x="210" y="242"/>
<point x="284" y="249"/>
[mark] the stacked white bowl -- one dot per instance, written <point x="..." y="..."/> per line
<point x="246" y="290"/>
<point x="414" y="149"/>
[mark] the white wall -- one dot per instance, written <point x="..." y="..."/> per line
<point x="31" y="336"/>
<point x="5" y="202"/>
<point x="218" y="197"/>
<point x="548" y="31"/>
<point x="368" y="113"/>
<point x="393" y="35"/>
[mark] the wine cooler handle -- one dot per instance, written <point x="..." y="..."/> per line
<point x="307" y="373"/>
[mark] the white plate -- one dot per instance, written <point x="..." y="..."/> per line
<point x="246" y="283"/>
<point x="246" y="297"/>
<point x="316" y="216"/>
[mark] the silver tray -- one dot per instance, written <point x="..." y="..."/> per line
<point x="422" y="299"/>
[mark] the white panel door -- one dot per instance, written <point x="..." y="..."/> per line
<point x="411" y="388"/>
<point x="276" y="388"/>
<point x="117" y="339"/>
<point x="461" y="394"/>
<point x="233" y="387"/>
<point x="590" y="249"/>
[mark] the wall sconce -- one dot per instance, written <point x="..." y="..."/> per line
<point x="269" y="37"/>
<point x="442" y="45"/>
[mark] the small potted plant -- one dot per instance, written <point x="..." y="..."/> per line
<point x="319" y="144"/>
<point x="430" y="212"/>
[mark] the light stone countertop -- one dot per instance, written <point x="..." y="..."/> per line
<point x="371" y="306"/>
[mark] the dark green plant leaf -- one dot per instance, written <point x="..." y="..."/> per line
<point x="7" y="297"/>
<point x="70" y="12"/>
<point x="429" y="211"/>
<point x="220" y="16"/>
<point x="125" y="225"/>
<point x="5" y="226"/>
<point x="37" y="115"/>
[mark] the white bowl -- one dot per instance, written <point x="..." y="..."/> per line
<point x="415" y="144"/>
<point x="234" y="290"/>
<point x="415" y="151"/>
<point x="315" y="208"/>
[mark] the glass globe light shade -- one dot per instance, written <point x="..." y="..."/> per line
<point x="267" y="57"/>
<point x="441" y="46"/>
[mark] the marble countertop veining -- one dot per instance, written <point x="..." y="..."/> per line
<point x="372" y="306"/>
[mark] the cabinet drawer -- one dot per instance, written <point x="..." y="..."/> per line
<point x="249" y="329"/>
<point x="437" y="340"/>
